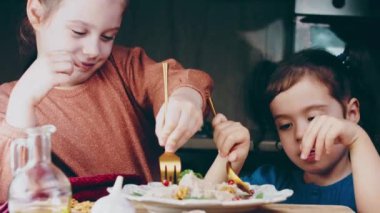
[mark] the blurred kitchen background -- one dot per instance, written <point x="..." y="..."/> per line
<point x="230" y="40"/>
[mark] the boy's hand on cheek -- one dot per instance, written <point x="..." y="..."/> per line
<point x="324" y="132"/>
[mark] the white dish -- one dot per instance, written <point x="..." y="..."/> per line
<point x="170" y="205"/>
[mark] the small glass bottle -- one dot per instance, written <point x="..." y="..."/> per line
<point x="37" y="185"/>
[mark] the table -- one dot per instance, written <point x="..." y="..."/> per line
<point x="292" y="208"/>
<point x="284" y="208"/>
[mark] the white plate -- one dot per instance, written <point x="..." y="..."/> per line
<point x="169" y="205"/>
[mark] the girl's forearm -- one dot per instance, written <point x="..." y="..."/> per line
<point x="20" y="111"/>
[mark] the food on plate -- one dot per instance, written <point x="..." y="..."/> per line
<point x="198" y="188"/>
<point x="187" y="171"/>
<point x="191" y="187"/>
<point x="80" y="207"/>
<point x="194" y="193"/>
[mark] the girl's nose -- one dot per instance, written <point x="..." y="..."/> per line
<point x="91" y="48"/>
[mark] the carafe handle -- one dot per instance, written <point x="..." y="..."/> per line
<point x="16" y="155"/>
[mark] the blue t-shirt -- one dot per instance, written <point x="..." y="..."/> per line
<point x="339" y="193"/>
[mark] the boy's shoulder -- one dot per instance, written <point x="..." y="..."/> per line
<point x="280" y="177"/>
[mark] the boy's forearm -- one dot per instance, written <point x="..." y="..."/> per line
<point x="365" y="163"/>
<point x="218" y="171"/>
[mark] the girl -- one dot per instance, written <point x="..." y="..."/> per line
<point x="103" y="99"/>
<point x="316" y="116"/>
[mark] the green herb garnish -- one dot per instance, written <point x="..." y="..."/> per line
<point x="137" y="194"/>
<point x="260" y="196"/>
<point x="187" y="171"/>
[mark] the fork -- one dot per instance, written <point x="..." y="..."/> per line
<point x="170" y="163"/>
<point x="231" y="175"/>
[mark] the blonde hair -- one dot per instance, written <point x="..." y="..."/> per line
<point x="27" y="36"/>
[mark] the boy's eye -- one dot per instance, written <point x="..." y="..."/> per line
<point x="284" y="126"/>
<point x="311" y="118"/>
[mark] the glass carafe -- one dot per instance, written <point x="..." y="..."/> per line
<point x="37" y="185"/>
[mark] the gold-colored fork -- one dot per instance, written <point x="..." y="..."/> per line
<point x="231" y="175"/>
<point x="170" y="163"/>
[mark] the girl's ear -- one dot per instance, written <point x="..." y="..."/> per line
<point x="35" y="12"/>
<point x="353" y="110"/>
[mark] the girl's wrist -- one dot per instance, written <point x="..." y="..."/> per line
<point x="20" y="96"/>
<point x="20" y="111"/>
<point x="189" y="94"/>
<point x="23" y="118"/>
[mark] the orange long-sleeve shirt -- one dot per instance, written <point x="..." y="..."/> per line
<point x="106" y="124"/>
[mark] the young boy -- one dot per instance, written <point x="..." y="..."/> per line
<point x="316" y="117"/>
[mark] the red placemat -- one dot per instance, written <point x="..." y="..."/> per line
<point x="93" y="187"/>
<point x="4" y="208"/>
